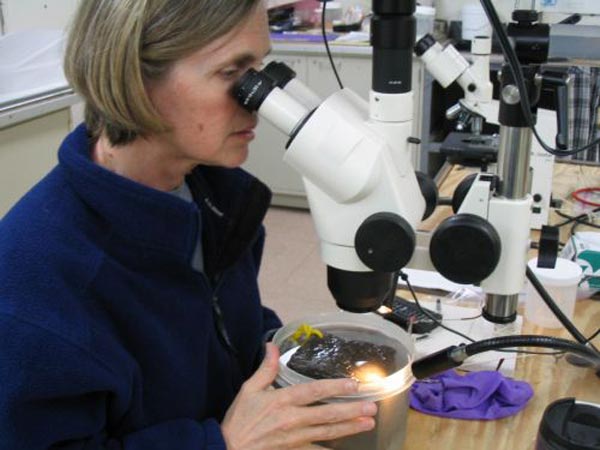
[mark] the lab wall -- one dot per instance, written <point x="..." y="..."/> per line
<point x="27" y="14"/>
<point x="445" y="9"/>
<point x="451" y="9"/>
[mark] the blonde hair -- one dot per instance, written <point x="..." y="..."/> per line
<point x="115" y="46"/>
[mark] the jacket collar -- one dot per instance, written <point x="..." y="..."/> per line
<point x="157" y="219"/>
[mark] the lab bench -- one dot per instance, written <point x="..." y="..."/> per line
<point x="551" y="377"/>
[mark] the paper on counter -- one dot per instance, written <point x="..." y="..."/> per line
<point x="477" y="329"/>
<point x="354" y="36"/>
<point x="433" y="280"/>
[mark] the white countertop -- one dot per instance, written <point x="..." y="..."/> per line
<point x="19" y="110"/>
<point x="319" y="49"/>
<point x="346" y="48"/>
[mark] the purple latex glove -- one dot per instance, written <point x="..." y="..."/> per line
<point x="484" y="395"/>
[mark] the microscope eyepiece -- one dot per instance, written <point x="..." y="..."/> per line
<point x="252" y="89"/>
<point x="406" y="7"/>
<point x="424" y="44"/>
<point x="280" y="73"/>
<point x="257" y="92"/>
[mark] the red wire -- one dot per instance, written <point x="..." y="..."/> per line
<point x="577" y="195"/>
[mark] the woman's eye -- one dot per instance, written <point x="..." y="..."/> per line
<point x="230" y="74"/>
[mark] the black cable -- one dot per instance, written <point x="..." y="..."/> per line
<point x="515" y="68"/>
<point x="580" y="218"/>
<point x="465" y="318"/>
<point x="454" y="355"/>
<point x="533" y="341"/>
<point x="335" y="72"/>
<point x="404" y="277"/>
<point x="577" y="220"/>
<point x="597" y="332"/>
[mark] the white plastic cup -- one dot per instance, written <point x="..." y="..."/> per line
<point x="474" y="22"/>
<point x="425" y="16"/>
<point x="561" y="283"/>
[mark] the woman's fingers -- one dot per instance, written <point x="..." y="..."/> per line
<point x="266" y="373"/>
<point x="315" y="391"/>
<point x="327" y="414"/>
<point x="324" y="432"/>
<point x="292" y="417"/>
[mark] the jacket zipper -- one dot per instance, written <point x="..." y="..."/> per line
<point x="219" y="319"/>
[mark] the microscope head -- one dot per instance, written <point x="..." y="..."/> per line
<point x="364" y="196"/>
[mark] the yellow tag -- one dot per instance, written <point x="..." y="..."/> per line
<point x="304" y="332"/>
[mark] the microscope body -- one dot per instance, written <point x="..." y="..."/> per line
<point x="365" y="198"/>
<point x="352" y="172"/>
<point x="353" y="155"/>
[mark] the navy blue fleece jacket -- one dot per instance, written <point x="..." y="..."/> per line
<point x="108" y="338"/>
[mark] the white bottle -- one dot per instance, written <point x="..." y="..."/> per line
<point x="474" y="22"/>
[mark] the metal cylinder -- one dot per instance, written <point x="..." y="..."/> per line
<point x="391" y="394"/>
<point x="513" y="169"/>
<point x="513" y="161"/>
<point x="500" y="308"/>
<point x="477" y="125"/>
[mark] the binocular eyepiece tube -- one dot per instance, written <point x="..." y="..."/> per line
<point x="258" y="92"/>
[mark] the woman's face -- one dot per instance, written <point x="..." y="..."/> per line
<point x="208" y="126"/>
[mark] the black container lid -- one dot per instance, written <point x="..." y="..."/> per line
<point x="571" y="425"/>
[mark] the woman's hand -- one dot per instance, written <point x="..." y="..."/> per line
<point x="263" y="419"/>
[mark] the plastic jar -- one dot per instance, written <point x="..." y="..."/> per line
<point x="425" y="16"/>
<point x="569" y="424"/>
<point x="390" y="394"/>
<point x="561" y="283"/>
<point x="474" y="22"/>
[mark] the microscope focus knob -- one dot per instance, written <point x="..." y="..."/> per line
<point x="385" y="242"/>
<point x="525" y="16"/>
<point x="465" y="248"/>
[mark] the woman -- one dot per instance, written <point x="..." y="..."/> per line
<point x="130" y="315"/>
